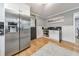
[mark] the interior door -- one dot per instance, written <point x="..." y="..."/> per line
<point x="24" y="32"/>
<point x="11" y="33"/>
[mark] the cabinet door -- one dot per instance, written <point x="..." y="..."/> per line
<point x="2" y="12"/>
<point x="12" y="7"/>
<point x="25" y="10"/>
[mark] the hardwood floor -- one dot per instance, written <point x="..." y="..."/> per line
<point x="38" y="43"/>
<point x="67" y="45"/>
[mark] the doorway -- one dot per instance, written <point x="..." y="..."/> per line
<point x="33" y="27"/>
<point x="76" y="27"/>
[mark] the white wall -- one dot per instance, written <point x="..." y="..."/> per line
<point x="39" y="31"/>
<point x="67" y="25"/>
<point x="32" y="21"/>
<point x="2" y="37"/>
<point x="68" y="33"/>
<point x="40" y="23"/>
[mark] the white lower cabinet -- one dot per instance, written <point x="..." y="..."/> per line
<point x="54" y="34"/>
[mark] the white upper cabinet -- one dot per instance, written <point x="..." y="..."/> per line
<point x="12" y="8"/>
<point x="25" y="9"/>
<point x="16" y="7"/>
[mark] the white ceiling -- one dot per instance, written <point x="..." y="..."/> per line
<point x="47" y="9"/>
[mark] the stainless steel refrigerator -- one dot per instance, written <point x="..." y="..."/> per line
<point x="17" y="32"/>
<point x="24" y="32"/>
